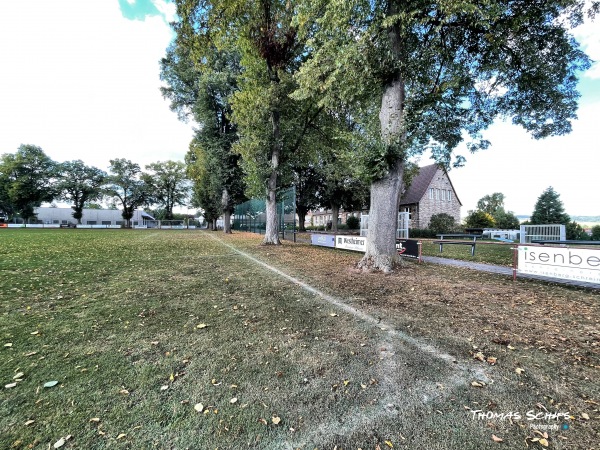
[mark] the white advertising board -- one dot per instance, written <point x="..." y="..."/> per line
<point x="354" y="243"/>
<point x="577" y="264"/>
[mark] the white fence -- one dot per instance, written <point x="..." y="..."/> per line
<point x="542" y="233"/>
<point x="401" y="227"/>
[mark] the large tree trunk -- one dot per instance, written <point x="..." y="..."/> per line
<point x="385" y="193"/>
<point x="335" y="212"/>
<point x="225" y="202"/>
<point x="271" y="231"/>
<point x="301" y="211"/>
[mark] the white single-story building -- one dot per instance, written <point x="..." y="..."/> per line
<point x="63" y="216"/>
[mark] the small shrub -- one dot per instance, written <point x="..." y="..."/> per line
<point x="442" y="223"/>
<point x="353" y="223"/>
<point x="596" y="233"/>
<point x="421" y="233"/>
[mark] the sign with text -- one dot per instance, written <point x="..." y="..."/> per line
<point x="354" y="243"/>
<point x="408" y="248"/>
<point x="577" y="264"/>
<point x="324" y="240"/>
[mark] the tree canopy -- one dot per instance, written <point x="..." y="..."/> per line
<point x="79" y="184"/>
<point x="549" y="209"/>
<point x="26" y="181"/>
<point x="124" y="184"/>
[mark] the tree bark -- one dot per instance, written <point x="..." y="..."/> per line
<point x="385" y="193"/>
<point x="335" y="212"/>
<point x="225" y="202"/>
<point x="301" y="211"/>
<point x="271" y="231"/>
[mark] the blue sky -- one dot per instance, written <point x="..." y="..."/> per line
<point x="80" y="78"/>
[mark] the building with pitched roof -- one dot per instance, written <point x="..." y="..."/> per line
<point x="430" y="192"/>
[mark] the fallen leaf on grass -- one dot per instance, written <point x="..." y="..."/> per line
<point x="59" y="443"/>
<point x="95" y="419"/>
<point x="276" y="420"/>
<point x="164" y="388"/>
<point x="29" y="422"/>
<point x="585" y="416"/>
<point x="543" y="442"/>
<point x="333" y="314"/>
<point x="496" y="438"/>
<point x="519" y="370"/>
<point x="201" y="325"/>
<point x="10" y="385"/>
<point x="492" y="360"/>
<point x="50" y="384"/>
<point x="19" y="375"/>
<point x="8" y="344"/>
<point x="477" y="384"/>
<point x="233" y="400"/>
<point x="124" y="392"/>
<point x="35" y="332"/>
<point x="199" y="407"/>
<point x="263" y="421"/>
<point x="121" y="436"/>
<point x="389" y="444"/>
<point x="479" y="356"/>
<point x="30" y="353"/>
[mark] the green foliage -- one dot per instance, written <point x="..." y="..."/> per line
<point x="124" y="184"/>
<point x="442" y="223"/>
<point x="549" y="209"/>
<point x="168" y="184"/>
<point x="479" y="219"/>
<point x="491" y="203"/>
<point x="79" y="184"/>
<point x="596" y="233"/>
<point x="353" y="223"/>
<point x="26" y="181"/>
<point x="421" y="233"/>
<point x="506" y="220"/>
<point x="576" y="232"/>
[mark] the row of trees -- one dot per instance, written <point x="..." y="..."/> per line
<point x="29" y="178"/>
<point x="349" y="91"/>
<point x="548" y="209"/>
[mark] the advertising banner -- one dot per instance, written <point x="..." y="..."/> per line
<point x="408" y="248"/>
<point x="354" y="243"/>
<point x="324" y="240"/>
<point x="577" y="264"/>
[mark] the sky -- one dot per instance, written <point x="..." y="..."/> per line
<point x="80" y="79"/>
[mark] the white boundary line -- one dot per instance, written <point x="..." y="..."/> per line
<point x="373" y="321"/>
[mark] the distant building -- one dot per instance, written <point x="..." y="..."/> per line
<point x="64" y="216"/>
<point x="430" y="192"/>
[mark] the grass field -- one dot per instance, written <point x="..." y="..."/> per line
<point x="190" y="339"/>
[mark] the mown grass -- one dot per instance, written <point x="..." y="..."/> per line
<point x="485" y="252"/>
<point x="139" y="326"/>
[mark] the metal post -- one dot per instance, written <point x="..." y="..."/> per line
<point x="515" y="250"/>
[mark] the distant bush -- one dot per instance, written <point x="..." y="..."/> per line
<point x="353" y="223"/>
<point x="596" y="233"/>
<point x="479" y="219"/>
<point x="421" y="233"/>
<point x="576" y="232"/>
<point x="442" y="223"/>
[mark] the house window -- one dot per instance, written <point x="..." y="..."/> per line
<point x="406" y="209"/>
<point x="91" y="222"/>
<point x="449" y="196"/>
<point x="437" y="194"/>
<point x="430" y="193"/>
<point x="106" y="222"/>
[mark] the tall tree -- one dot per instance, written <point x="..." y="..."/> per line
<point x="271" y="124"/>
<point x="26" y="180"/>
<point x="202" y="90"/>
<point x="549" y="209"/>
<point x="125" y="186"/>
<point x="435" y="70"/>
<point x="79" y="184"/>
<point x="168" y="183"/>
<point x="491" y="203"/>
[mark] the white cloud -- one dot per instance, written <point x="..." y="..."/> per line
<point x="82" y="82"/>
<point x="166" y="8"/>
<point x="588" y="36"/>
